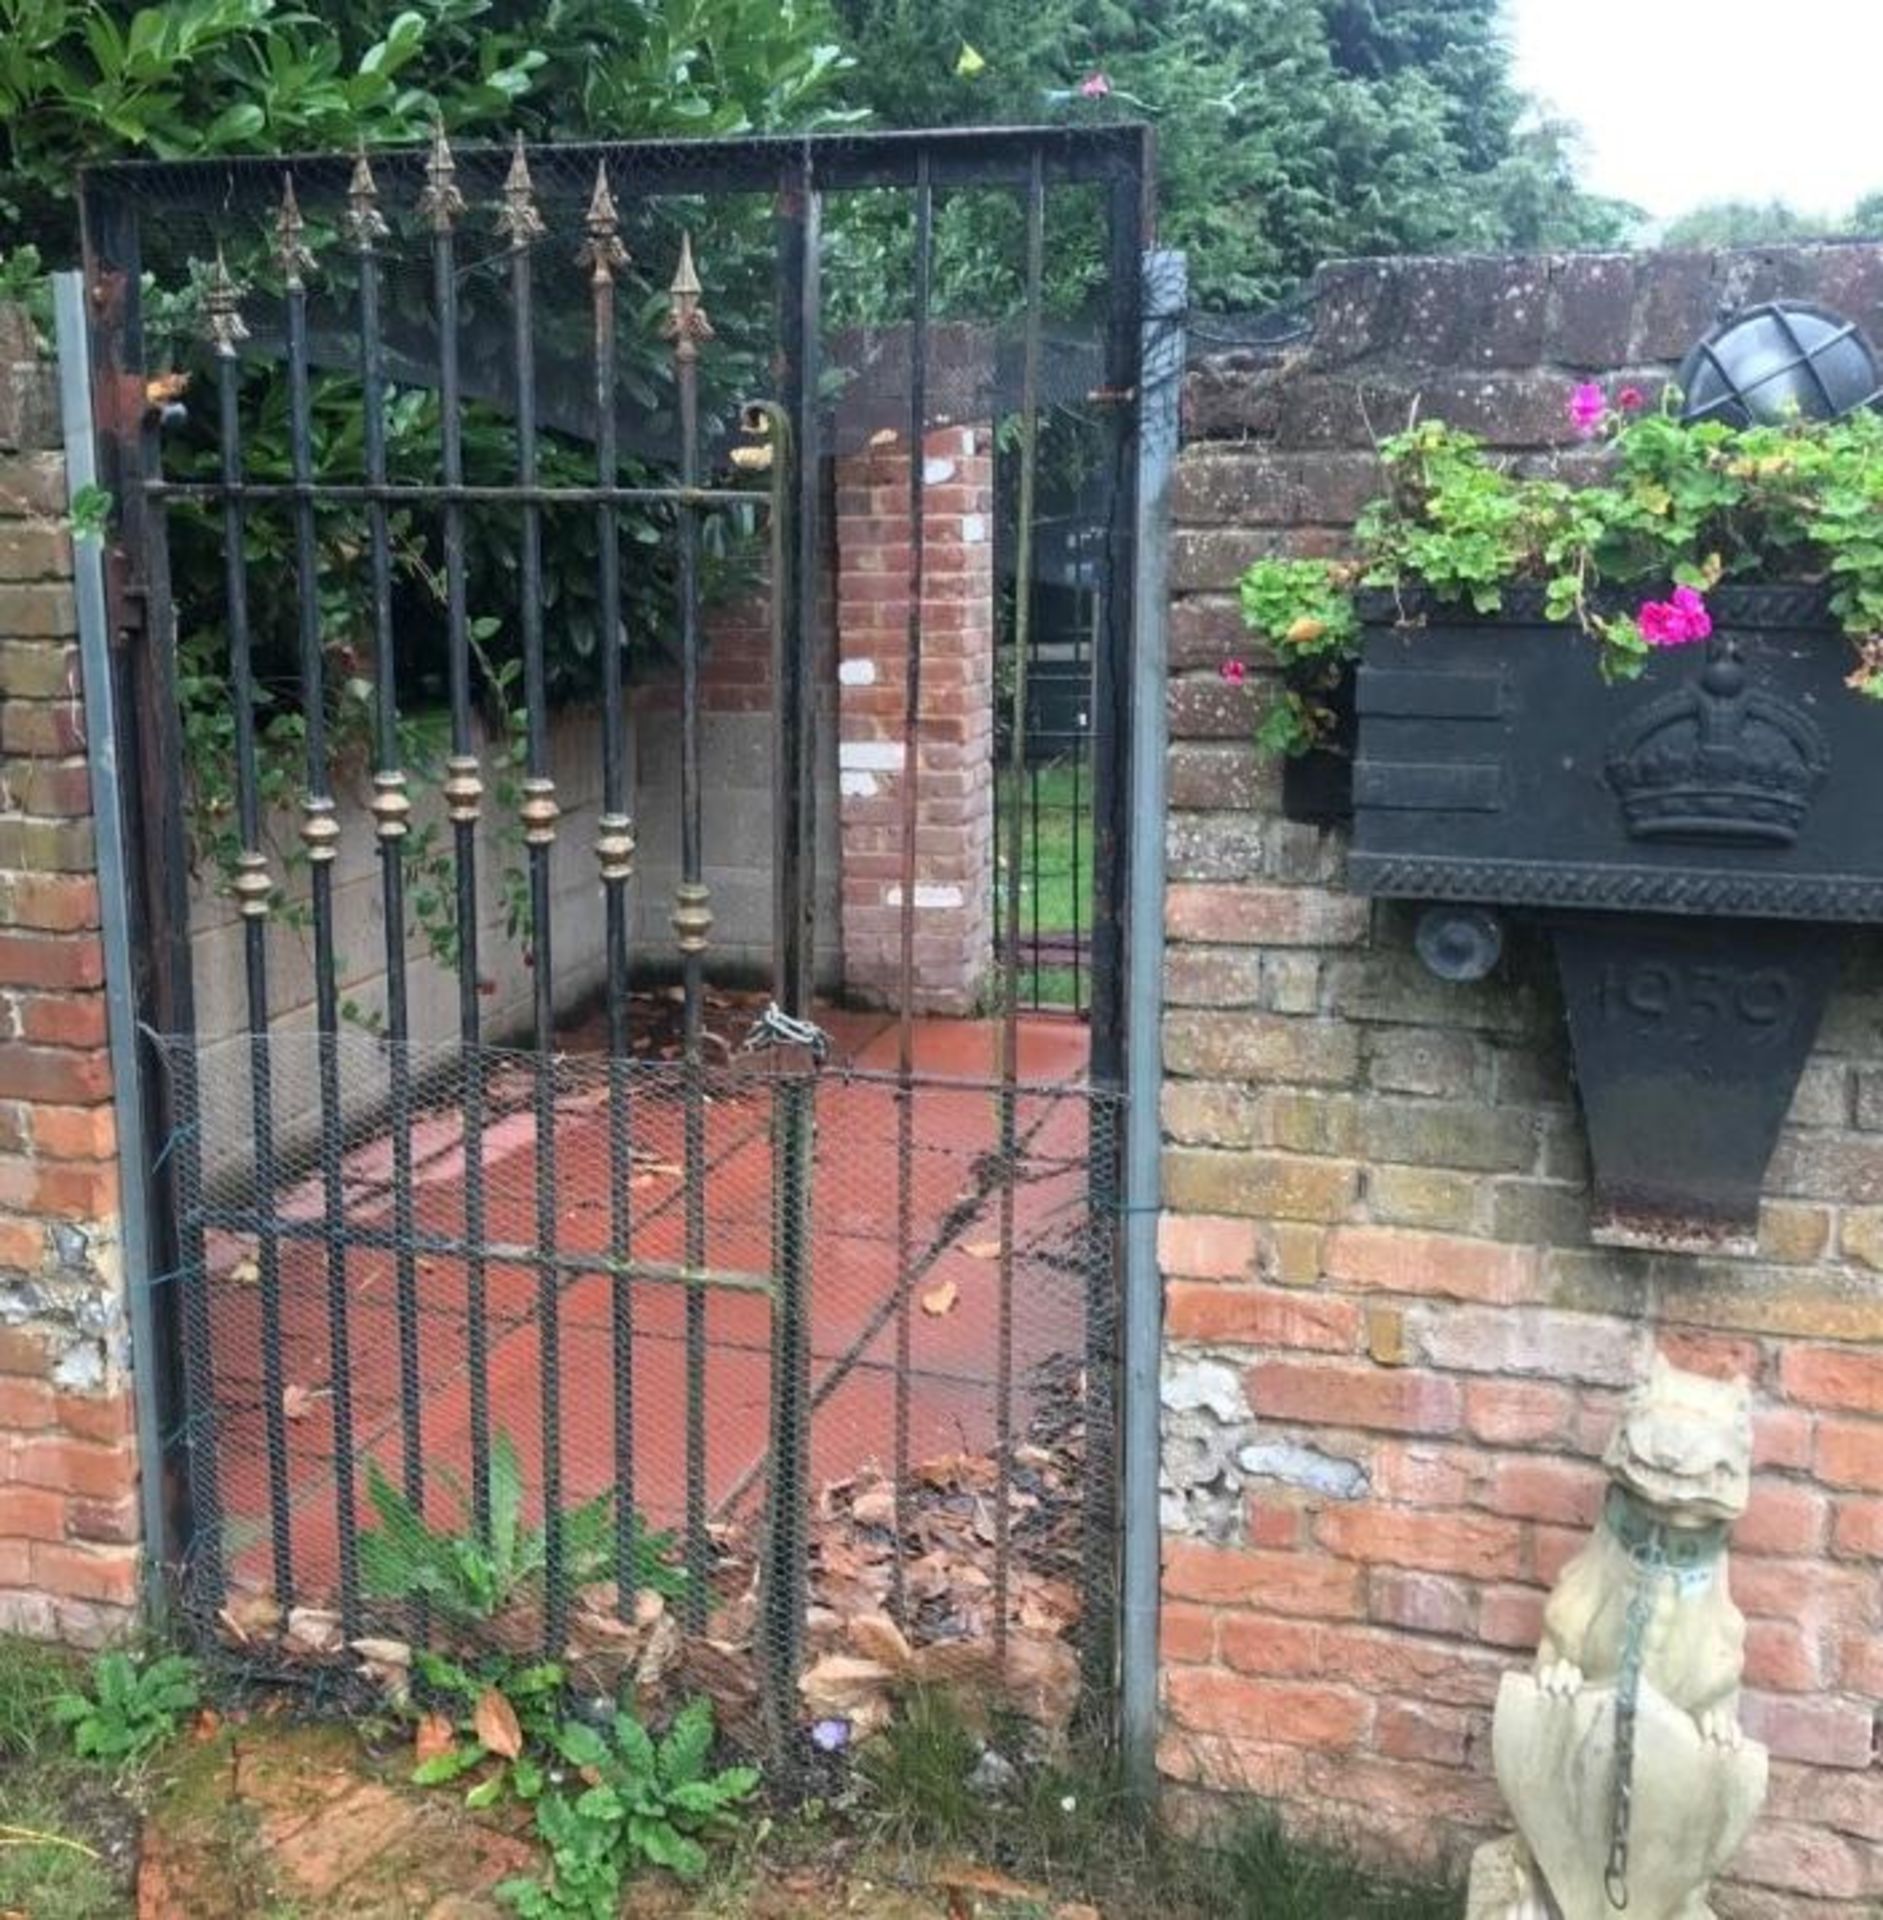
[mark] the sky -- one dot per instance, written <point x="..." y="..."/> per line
<point x="1689" y="100"/>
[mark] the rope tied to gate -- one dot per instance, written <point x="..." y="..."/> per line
<point x="777" y="1028"/>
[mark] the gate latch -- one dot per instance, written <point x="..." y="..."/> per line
<point x="776" y="1028"/>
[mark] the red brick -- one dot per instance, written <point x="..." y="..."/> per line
<point x="1781" y="1518"/>
<point x="16" y="1563"/>
<point x="60" y="961"/>
<point x="1422" y="1475"/>
<point x="102" y="1417"/>
<point x="67" y="1189"/>
<point x="60" y="1075"/>
<point x="1206" y="1246"/>
<point x="1290" y="1583"/>
<point x="1518" y="1413"/>
<point x="104" y="1522"/>
<point x="31" y="1513"/>
<point x="25" y="1405"/>
<point x="1782" y="1437"/>
<point x="1782" y="1657"/>
<point x="23" y="1351"/>
<point x="1401" y="1260"/>
<point x="1470" y="1544"/>
<point x="1208" y="1701"/>
<point x="1552" y="1549"/>
<point x="1419" y="1602"/>
<point x="49" y="902"/>
<point x="62" y="1019"/>
<point x="1268" y="1522"/>
<point x="1843" y="1377"/>
<point x="1850" y="1454"/>
<point x="1410" y="1730"/>
<point x="1259" y="1317"/>
<point x="22" y="1244"/>
<point x="1265" y="1645"/>
<point x="1566" y="1493"/>
<point x="1717" y="1355"/>
<point x="1230" y="1766"/>
<point x="1827" y="1733"/>
<point x="74" y="1133"/>
<point x="1186" y="1634"/>
<point x="1338" y="1394"/>
<point x="87" y="1573"/>
<point x="74" y="1466"/>
<point x="1860" y="1669"/>
<point x="1802" y="1590"/>
<point x="1511" y="1616"/>
<point x="1264" y="916"/>
<point x="1857" y="1528"/>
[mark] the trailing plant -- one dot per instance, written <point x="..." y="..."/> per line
<point x="472" y="1576"/>
<point x="1686" y="507"/>
<point x="131" y="1706"/>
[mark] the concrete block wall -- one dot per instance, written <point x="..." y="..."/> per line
<point x="954" y="874"/>
<point x="68" y="1467"/>
<point x="1393" y="1355"/>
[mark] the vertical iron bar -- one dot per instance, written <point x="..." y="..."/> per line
<point x="182" y="1371"/>
<point x="522" y="225"/>
<point x="604" y="256"/>
<point x="1114" y="671"/>
<point x="391" y="809"/>
<point x="441" y="204"/>
<point x="1033" y="809"/>
<point x="794" y="585"/>
<point x="1078" y="943"/>
<point x="688" y="328"/>
<point x="320" y="834"/>
<point x="254" y="893"/>
<point x="911" y="807"/>
<point x="1010" y="1022"/>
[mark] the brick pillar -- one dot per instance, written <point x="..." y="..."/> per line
<point x="954" y="773"/>
<point x="68" y="1466"/>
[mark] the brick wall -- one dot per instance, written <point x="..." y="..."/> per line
<point x="954" y="772"/>
<point x="68" y="1470"/>
<point x="1393" y="1355"/>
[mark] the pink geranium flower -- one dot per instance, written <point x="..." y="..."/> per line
<point x="1630" y="400"/>
<point x="1676" y="621"/>
<point x="1095" y="86"/>
<point x="1234" y="672"/>
<point x="1588" y="406"/>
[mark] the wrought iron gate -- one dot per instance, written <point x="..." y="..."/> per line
<point x="691" y="1344"/>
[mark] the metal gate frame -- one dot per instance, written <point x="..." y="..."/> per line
<point x="798" y="172"/>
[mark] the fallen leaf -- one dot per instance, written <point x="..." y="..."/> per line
<point x="840" y="1685"/>
<point x="877" y="1637"/>
<point x="495" y="1724"/>
<point x="874" y="1509"/>
<point x="314" y="1630"/>
<point x="298" y="1402"/>
<point x="245" y="1273"/>
<point x="962" y="1878"/>
<point x="940" y="1300"/>
<point x="981" y="1249"/>
<point x="383" y="1653"/>
<point x="435" y="1736"/>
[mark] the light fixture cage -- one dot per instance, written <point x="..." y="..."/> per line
<point x="1781" y="360"/>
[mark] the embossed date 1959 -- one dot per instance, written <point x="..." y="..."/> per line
<point x="1694" y="1001"/>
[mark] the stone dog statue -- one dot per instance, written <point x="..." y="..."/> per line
<point x="1621" y="1757"/>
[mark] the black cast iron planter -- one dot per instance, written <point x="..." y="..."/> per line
<point x="1690" y="839"/>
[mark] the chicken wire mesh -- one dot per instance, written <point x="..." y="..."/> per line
<point x="797" y="1471"/>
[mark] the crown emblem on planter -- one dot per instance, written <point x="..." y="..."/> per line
<point x="1720" y="760"/>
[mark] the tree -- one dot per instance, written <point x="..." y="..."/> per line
<point x="1289" y="131"/>
<point x="1742" y="223"/>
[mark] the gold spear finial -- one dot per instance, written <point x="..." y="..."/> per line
<point x="602" y="252"/>
<point x="439" y="201"/>
<point x="291" y="249"/>
<point x="687" y="324"/>
<point x="364" y="221"/>
<point x="222" y="313"/>
<point x="518" y="219"/>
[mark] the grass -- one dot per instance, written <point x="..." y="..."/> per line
<point x="1068" y="1827"/>
<point x="1055" y="809"/>
<point x="57" y="1817"/>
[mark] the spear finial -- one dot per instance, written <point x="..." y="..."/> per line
<point x="291" y="249"/>
<point x="222" y="313"/>
<point x="518" y="219"/>
<point x="602" y="252"/>
<point x="364" y="221"/>
<point x="440" y="202"/>
<point x="687" y="324"/>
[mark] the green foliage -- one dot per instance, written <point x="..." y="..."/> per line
<point x="645" y="1802"/>
<point x="1690" y="505"/>
<point x="1289" y="131"/>
<point x="471" y="1577"/>
<point x="133" y="1706"/>
<point x="917" y="1773"/>
<point x="32" y="1679"/>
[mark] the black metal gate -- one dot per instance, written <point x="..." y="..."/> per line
<point x="678" y="1343"/>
